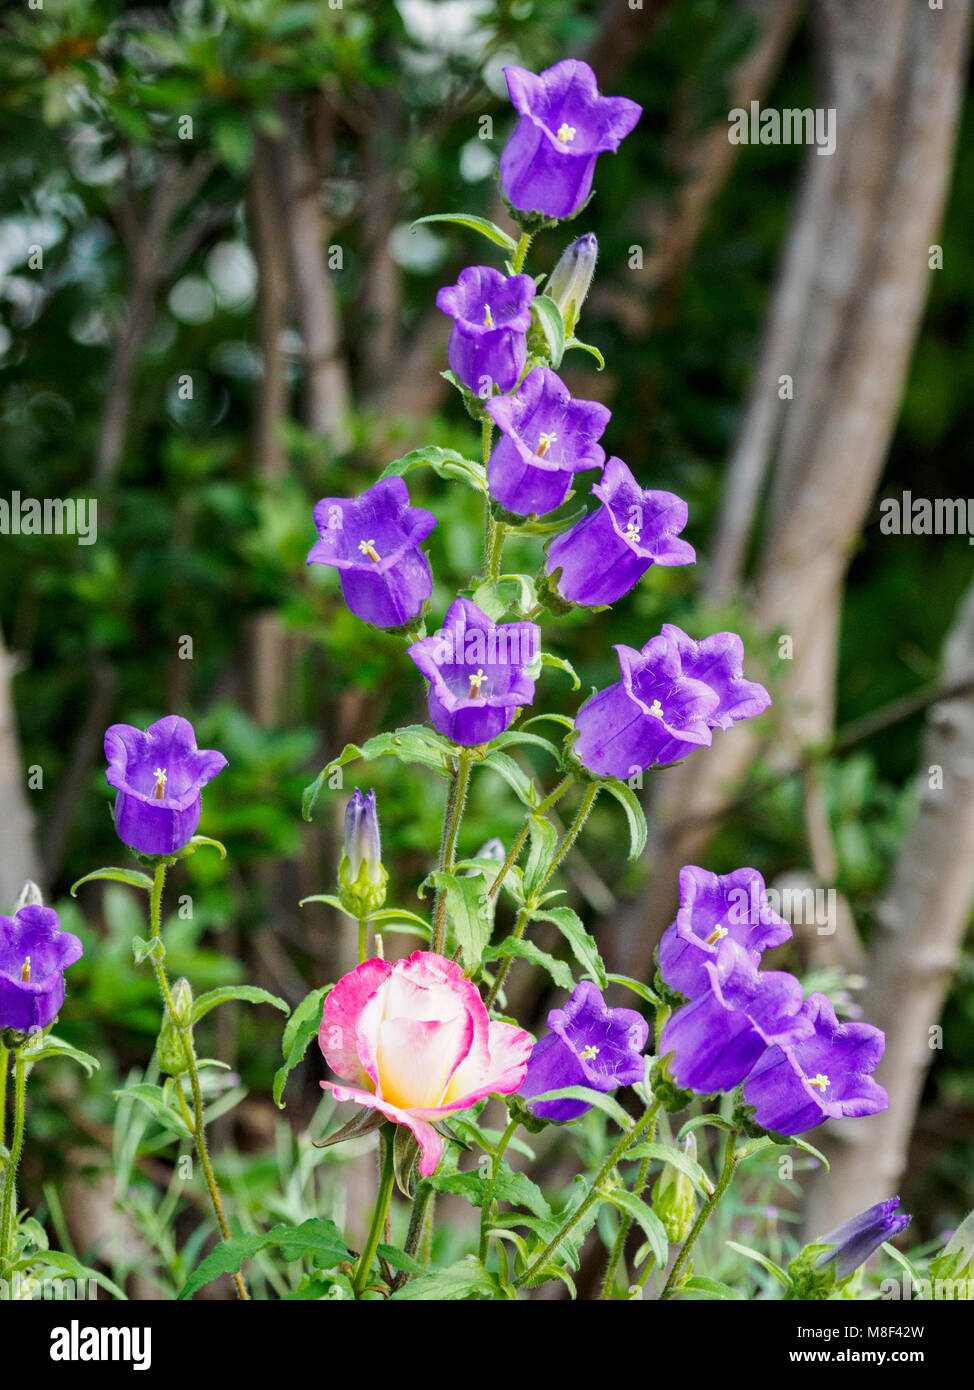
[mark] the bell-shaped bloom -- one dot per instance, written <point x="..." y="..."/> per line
<point x="546" y="437"/>
<point x="856" y="1239"/>
<point x="823" y="1073"/>
<point x="479" y="672"/>
<point x="608" y="551"/>
<point x="589" y="1045"/>
<point x="712" y="907"/>
<point x="373" y="541"/>
<point x="159" y="775"/>
<point x="413" y="1040"/>
<point x="362" y="877"/>
<point x="717" y="1038"/>
<point x="569" y="282"/>
<point x="668" y="702"/>
<point x="548" y="163"/>
<point x="635" y="723"/>
<point x="34" y="954"/>
<point x="491" y="315"/>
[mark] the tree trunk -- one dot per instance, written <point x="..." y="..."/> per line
<point x="18" y="861"/>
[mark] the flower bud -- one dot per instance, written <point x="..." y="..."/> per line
<point x="361" y="877"/>
<point x="170" y="1048"/>
<point x="569" y="282"/>
<point x="821" y="1267"/>
<point x="30" y="896"/>
<point x="673" y="1197"/>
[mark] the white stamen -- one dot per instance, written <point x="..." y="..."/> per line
<point x="566" y="133"/>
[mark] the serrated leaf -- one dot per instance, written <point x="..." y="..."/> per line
<point x="512" y="737"/>
<point x="63" y="1263"/>
<point x="469" y="911"/>
<point x="645" y="1217"/>
<point x="516" y="1188"/>
<point x="668" y="1153"/>
<point x="515" y="777"/>
<point x="456" y="1281"/>
<point x="299" y="1030"/>
<point x="637" y="987"/>
<point x="477" y="224"/>
<point x="547" y="316"/>
<point x="319" y="1239"/>
<point x="602" y="1102"/>
<point x="582" y="945"/>
<point x="153" y="1098"/>
<point x="248" y="994"/>
<point x="630" y="803"/>
<point x="512" y="946"/>
<point x="50" y="1046"/>
<point x="133" y="877"/>
<point x="544" y="841"/>
<point x="447" y="463"/>
<point x="710" y="1288"/>
<point x="412" y="744"/>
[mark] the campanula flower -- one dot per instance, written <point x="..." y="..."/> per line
<point x="479" y="672"/>
<point x="569" y="282"/>
<point x="546" y="437"/>
<point x="717" y="1038"/>
<point x="373" y="541"/>
<point x="34" y="954"/>
<point x="548" y="163"/>
<point x="159" y="774"/>
<point x="856" y="1239"/>
<point x="361" y="876"/>
<point x="672" y="695"/>
<point x="712" y="907"/>
<point x="589" y="1045"/>
<point x="822" y="1073"/>
<point x="491" y="315"/>
<point x="413" y="1040"/>
<point x="606" y="553"/>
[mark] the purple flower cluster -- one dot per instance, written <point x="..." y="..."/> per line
<point x="799" y="1065"/>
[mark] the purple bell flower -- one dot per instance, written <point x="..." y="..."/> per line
<point x="373" y="541"/>
<point x="589" y="1045"/>
<point x="491" y="315"/>
<point x="479" y="672"/>
<point x="34" y="954"/>
<point x="546" y="437"/>
<point x="856" y="1239"/>
<point x="606" y="553"/>
<point x="633" y="724"/>
<point x="714" y="907"/>
<point x="823" y="1074"/>
<point x="672" y="695"/>
<point x="717" y="1038"/>
<point x="548" y="163"/>
<point x="158" y="774"/>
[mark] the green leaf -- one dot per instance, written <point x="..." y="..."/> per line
<point x="764" y="1261"/>
<point x="547" y="659"/>
<point x="544" y="841"/>
<point x="605" y="1103"/>
<point x="153" y="1098"/>
<point x="668" y="1153"/>
<point x="906" y="1264"/>
<point x="698" y="1121"/>
<point x="199" y="841"/>
<point x="574" y="342"/>
<point x="250" y="994"/>
<point x="299" y="1031"/>
<point x="468" y="910"/>
<point x="445" y="462"/>
<point x="547" y="316"/>
<point x="637" y="987"/>
<point x="412" y="744"/>
<point x="789" y="1141"/>
<point x="398" y="1259"/>
<point x="142" y="949"/>
<point x="477" y="224"/>
<point x="133" y="877"/>
<point x="511" y="592"/>
<point x="319" y="1239"/>
<point x="652" y="1226"/>
<point x="515" y="777"/>
<point x="582" y="945"/>
<point x="512" y="737"/>
<point x="63" y="1263"/>
<point x="710" y="1288"/>
<point x="47" y="1045"/>
<point x="511" y="1186"/>
<point x="457" y="1281"/>
<point x="511" y="946"/>
<point x="630" y="803"/>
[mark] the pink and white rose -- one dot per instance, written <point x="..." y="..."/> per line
<point x="414" y="1040"/>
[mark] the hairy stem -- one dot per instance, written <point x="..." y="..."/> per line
<point x="517" y="260"/>
<point x="487" y="1207"/>
<point x="8" y="1204"/>
<point x="727" y="1172"/>
<point x="379" y="1214"/>
<point x="453" y="813"/>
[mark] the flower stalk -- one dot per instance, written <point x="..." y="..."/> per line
<point x="8" y="1204"/>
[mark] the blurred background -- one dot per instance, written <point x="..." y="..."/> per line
<point x="213" y="312"/>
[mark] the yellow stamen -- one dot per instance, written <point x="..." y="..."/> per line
<point x="820" y="1082"/>
<point x="715" y="935"/>
<point x="159" y="790"/>
<point x="488" y="317"/>
<point x="588" y="1053"/>
<point x="544" y="442"/>
<point x="476" y="681"/>
<point x="566" y="133"/>
<point x="25" y="971"/>
<point x="368" y="548"/>
<point x="657" y="709"/>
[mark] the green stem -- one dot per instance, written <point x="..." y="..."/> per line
<point x="363" y="939"/>
<point x="727" y="1172"/>
<point x="8" y="1205"/>
<point x="186" y="1037"/>
<point x="4" y="1068"/>
<point x="414" y="1235"/>
<point x="618" y="1249"/>
<point x="520" y="923"/>
<point x="487" y="1207"/>
<point x="496" y="550"/>
<point x="571" y="835"/>
<point x="517" y="260"/>
<point x="630" y="1137"/>
<point x="523" y="833"/>
<point x="379" y="1214"/>
<point x="452" y="816"/>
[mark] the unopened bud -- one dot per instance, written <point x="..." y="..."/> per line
<point x="569" y="282"/>
<point x="171" y="1049"/>
<point x="361" y="878"/>
<point x="30" y="896"/>
<point x="674" y="1201"/>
